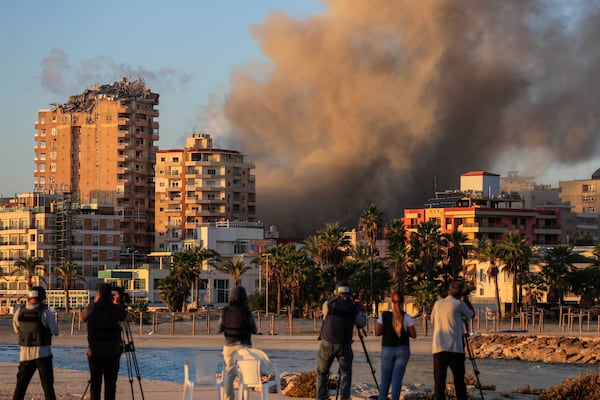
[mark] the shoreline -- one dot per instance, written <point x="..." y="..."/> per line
<point x="69" y="384"/>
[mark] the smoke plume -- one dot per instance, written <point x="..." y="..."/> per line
<point x="376" y="101"/>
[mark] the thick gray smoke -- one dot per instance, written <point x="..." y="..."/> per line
<point x="374" y="101"/>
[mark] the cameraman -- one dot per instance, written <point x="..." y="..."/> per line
<point x="103" y="319"/>
<point x="448" y="317"/>
<point x="341" y="314"/>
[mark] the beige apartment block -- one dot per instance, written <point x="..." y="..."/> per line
<point x="583" y="196"/>
<point x="99" y="147"/>
<point x="200" y="185"/>
<point x="52" y="228"/>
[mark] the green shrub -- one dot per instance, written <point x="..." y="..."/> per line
<point x="584" y="387"/>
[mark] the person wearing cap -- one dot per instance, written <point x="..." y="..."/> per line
<point x="340" y="315"/>
<point x="104" y="319"/>
<point x="448" y="317"/>
<point x="35" y="326"/>
<point x="237" y="325"/>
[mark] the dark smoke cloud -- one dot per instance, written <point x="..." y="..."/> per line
<point x="59" y="77"/>
<point x="374" y="101"/>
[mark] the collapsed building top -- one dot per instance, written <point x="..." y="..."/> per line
<point x="123" y="89"/>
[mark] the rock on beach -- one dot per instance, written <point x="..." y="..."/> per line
<point x="551" y="349"/>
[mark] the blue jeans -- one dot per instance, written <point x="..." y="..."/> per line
<point x="393" y="366"/>
<point x="327" y="353"/>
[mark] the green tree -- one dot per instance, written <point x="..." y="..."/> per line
<point x="68" y="273"/>
<point x="515" y="252"/>
<point x="584" y="283"/>
<point x="201" y="256"/>
<point x="457" y="249"/>
<point x="182" y="270"/>
<point x="28" y="266"/>
<point x="555" y="274"/>
<point x="425" y="256"/>
<point x="370" y="225"/>
<point x="398" y="258"/>
<point x="488" y="252"/>
<point x="330" y="247"/>
<point x="171" y="292"/>
<point x="235" y="269"/>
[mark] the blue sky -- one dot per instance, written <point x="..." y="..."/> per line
<point x="185" y="50"/>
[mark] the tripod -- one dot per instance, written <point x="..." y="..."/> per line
<point x="132" y="363"/>
<point x="128" y="348"/>
<point x="472" y="356"/>
<point x="361" y="334"/>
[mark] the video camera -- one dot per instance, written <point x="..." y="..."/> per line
<point x="120" y="296"/>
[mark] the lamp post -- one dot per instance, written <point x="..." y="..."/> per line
<point x="133" y="259"/>
<point x="266" y="255"/>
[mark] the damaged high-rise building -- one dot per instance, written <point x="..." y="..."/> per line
<point x="99" y="147"/>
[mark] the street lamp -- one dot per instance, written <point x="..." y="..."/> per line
<point x="133" y="259"/>
<point x="266" y="255"/>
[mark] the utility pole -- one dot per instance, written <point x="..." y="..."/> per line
<point x="266" y="255"/>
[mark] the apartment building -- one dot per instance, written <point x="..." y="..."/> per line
<point x="54" y="228"/>
<point x="99" y="147"/>
<point x="481" y="211"/>
<point x="582" y="194"/>
<point x="200" y="185"/>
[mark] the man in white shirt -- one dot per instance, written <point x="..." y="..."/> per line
<point x="448" y="317"/>
<point x="35" y="326"/>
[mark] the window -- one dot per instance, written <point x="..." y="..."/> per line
<point x="53" y="131"/>
<point x="95" y="240"/>
<point x="109" y="254"/>
<point x="42" y="167"/>
<point x="139" y="283"/>
<point x="95" y="224"/>
<point x="43" y="144"/>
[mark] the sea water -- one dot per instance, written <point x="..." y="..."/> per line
<point x="167" y="364"/>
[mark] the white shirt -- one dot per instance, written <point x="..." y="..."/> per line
<point x="29" y="353"/>
<point x="448" y="324"/>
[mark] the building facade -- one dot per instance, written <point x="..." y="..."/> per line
<point x="200" y="185"/>
<point x="481" y="211"/>
<point x="53" y="228"/>
<point x="582" y="195"/>
<point x="99" y="147"/>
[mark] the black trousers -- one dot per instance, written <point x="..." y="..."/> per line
<point x="456" y="362"/>
<point x="107" y="367"/>
<point x="26" y="371"/>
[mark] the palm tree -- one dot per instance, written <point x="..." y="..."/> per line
<point x="457" y="251"/>
<point x="235" y="269"/>
<point x="68" y="272"/>
<point x="370" y="224"/>
<point x="397" y="259"/>
<point x="200" y="255"/>
<point x="28" y="267"/>
<point x="171" y="293"/>
<point x="515" y="253"/>
<point x="556" y="273"/>
<point x="487" y="251"/>
<point x="182" y="271"/>
<point x="425" y="252"/>
<point x="332" y="244"/>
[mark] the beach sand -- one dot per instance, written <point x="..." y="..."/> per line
<point x="70" y="384"/>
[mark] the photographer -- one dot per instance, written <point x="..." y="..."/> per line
<point x="103" y="319"/>
<point x="448" y="317"/>
<point x="341" y="315"/>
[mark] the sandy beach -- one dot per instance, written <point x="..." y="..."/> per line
<point x="70" y="384"/>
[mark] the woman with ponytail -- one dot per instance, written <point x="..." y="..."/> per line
<point x="395" y="327"/>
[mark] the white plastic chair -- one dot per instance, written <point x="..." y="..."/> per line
<point x="207" y="374"/>
<point x="248" y="362"/>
